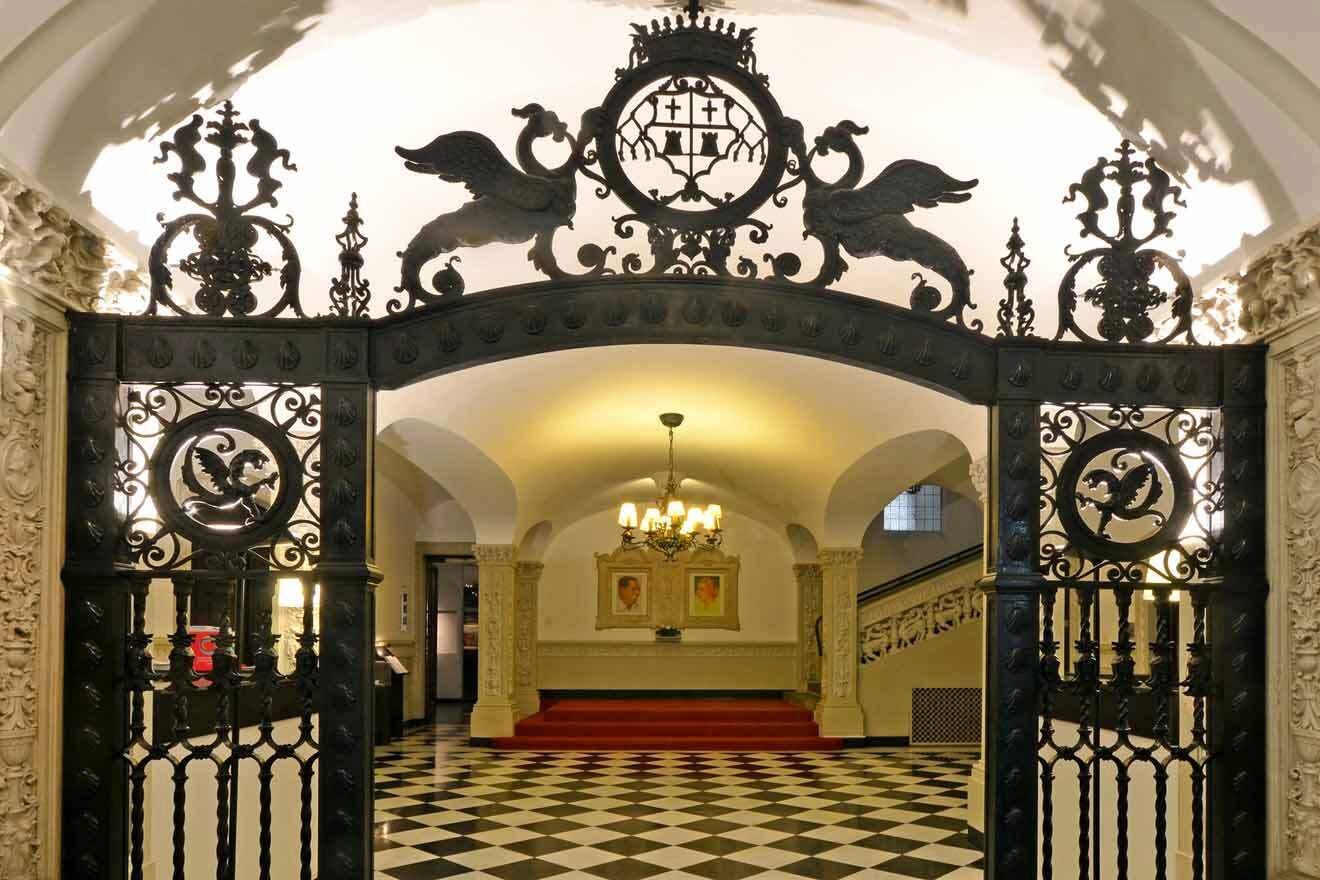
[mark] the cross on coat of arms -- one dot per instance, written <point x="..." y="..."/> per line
<point x="692" y="124"/>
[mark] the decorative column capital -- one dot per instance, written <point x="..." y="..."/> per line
<point x="807" y="570"/>
<point x="837" y="557"/>
<point x="498" y="554"/>
<point x="55" y="256"/>
<point x="530" y="571"/>
<point x="1280" y="286"/>
<point x="979" y="472"/>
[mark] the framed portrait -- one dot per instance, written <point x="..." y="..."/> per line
<point x="625" y="590"/>
<point x="630" y="593"/>
<point x="710" y="591"/>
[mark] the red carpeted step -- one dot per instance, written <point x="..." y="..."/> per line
<point x="675" y="710"/>
<point x="670" y="725"/>
<point x="541" y="726"/>
<point x="659" y="744"/>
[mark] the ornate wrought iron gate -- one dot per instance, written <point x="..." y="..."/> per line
<point x="222" y="442"/>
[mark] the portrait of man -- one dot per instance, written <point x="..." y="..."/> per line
<point x="630" y="593"/>
<point x="707" y="595"/>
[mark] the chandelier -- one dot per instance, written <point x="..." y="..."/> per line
<point x="670" y="527"/>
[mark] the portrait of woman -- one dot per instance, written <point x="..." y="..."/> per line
<point x="707" y="595"/>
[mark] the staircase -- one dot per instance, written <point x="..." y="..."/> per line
<point x="670" y="725"/>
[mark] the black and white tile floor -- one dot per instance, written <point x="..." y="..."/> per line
<point x="444" y="809"/>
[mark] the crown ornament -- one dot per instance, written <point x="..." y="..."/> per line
<point x="692" y="36"/>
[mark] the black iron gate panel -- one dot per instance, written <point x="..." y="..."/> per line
<point x="1129" y="568"/>
<point x="220" y="623"/>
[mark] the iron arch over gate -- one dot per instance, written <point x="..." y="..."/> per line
<point x="220" y="442"/>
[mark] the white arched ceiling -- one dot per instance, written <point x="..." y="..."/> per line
<point x="862" y="491"/>
<point x="484" y="491"/>
<point x="767" y="434"/>
<point x="1023" y="94"/>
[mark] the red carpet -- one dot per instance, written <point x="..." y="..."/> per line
<point x="676" y="725"/>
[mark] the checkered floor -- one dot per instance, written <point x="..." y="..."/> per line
<point x="444" y="809"/>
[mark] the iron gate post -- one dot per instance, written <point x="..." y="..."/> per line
<point x="1237" y="831"/>
<point x="348" y="629"/>
<point x="1011" y="656"/>
<point x="94" y="786"/>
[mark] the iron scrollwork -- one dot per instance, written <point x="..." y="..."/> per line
<point x="226" y="264"/>
<point x="693" y="143"/>
<point x="1126" y="296"/>
<point x="1130" y="494"/>
<point x="220" y="476"/>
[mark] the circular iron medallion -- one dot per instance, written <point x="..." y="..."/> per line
<point x="1124" y="495"/>
<point x="692" y="145"/>
<point x="226" y="479"/>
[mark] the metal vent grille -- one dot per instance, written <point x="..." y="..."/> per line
<point x="946" y="716"/>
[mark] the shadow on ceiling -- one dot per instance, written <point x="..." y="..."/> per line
<point x="188" y="55"/>
<point x="1120" y="56"/>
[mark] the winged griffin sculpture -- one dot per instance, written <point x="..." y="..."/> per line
<point x="508" y="205"/>
<point x="1123" y="495"/>
<point x="872" y="220"/>
<point x="232" y="501"/>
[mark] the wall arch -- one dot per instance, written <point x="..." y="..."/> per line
<point x="477" y="483"/>
<point x="863" y="490"/>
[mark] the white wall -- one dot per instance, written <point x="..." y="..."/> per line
<point x="767" y="598"/>
<point x="200" y="818"/>
<point x="410" y="508"/>
<point x="1141" y="815"/>
<point x="952" y="659"/>
<point x="887" y="555"/>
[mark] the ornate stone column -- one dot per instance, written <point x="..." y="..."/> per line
<point x="526" y="694"/>
<point x="809" y="581"/>
<point x="839" y="712"/>
<point x="48" y="263"/>
<point x="496" y="621"/>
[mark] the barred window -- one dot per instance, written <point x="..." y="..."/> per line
<point x="916" y="510"/>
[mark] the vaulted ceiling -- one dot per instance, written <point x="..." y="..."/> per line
<point x="1021" y="94"/>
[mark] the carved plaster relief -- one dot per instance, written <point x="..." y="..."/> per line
<point x="49" y="251"/>
<point x="496" y="647"/>
<point x="23" y="506"/>
<point x="809" y="582"/>
<point x="839" y="567"/>
<point x="920" y="614"/>
<point x="1301" y="386"/>
<point x="1281" y="285"/>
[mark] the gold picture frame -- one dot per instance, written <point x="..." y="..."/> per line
<point x="710" y="591"/>
<point x="626" y="594"/>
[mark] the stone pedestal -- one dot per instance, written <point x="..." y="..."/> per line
<point x="809" y="581"/>
<point x="526" y="694"/>
<point x="492" y="716"/>
<point x="839" y="712"/>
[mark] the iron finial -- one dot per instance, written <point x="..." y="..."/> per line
<point x="350" y="294"/>
<point x="1017" y="314"/>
